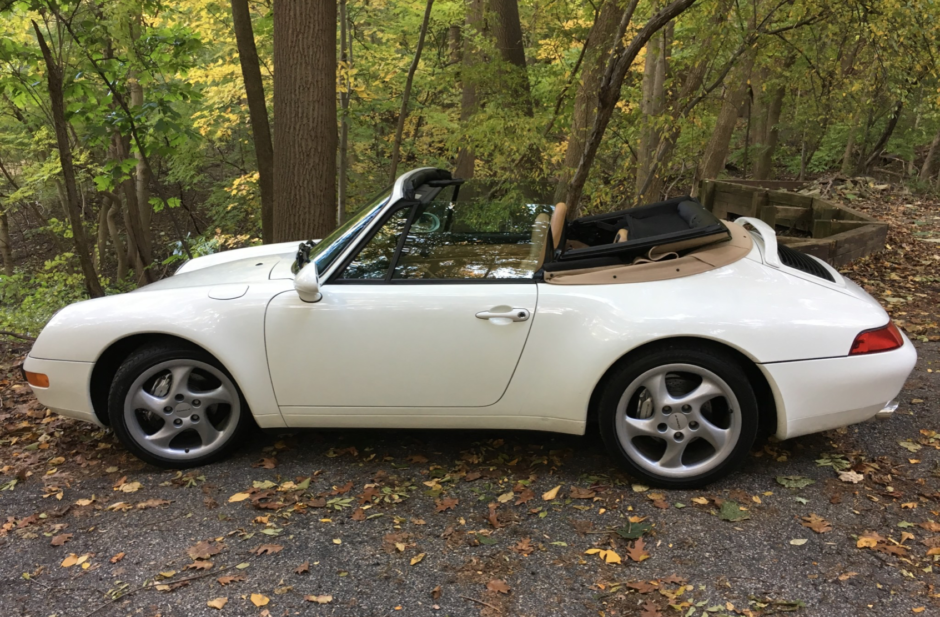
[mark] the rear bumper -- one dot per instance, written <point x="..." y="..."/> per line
<point x="818" y="395"/>
<point x="69" y="392"/>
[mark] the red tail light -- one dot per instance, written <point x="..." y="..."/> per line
<point x="879" y="339"/>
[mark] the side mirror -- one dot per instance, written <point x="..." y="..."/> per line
<point x="307" y="283"/>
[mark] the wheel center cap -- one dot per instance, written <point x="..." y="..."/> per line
<point x="678" y="422"/>
<point x="183" y="408"/>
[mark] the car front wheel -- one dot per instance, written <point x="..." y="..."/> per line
<point x="175" y="406"/>
<point x="679" y="417"/>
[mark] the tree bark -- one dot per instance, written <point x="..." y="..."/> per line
<point x="466" y="160"/>
<point x="305" y="137"/>
<point x="883" y="140"/>
<point x="6" y="250"/>
<point x="609" y="91"/>
<point x="848" y="157"/>
<point x="406" y="95"/>
<point x="927" y="167"/>
<point x="713" y="160"/>
<point x="57" y="105"/>
<point x="141" y="179"/>
<point x="507" y="30"/>
<point x="652" y="105"/>
<point x="599" y="41"/>
<point x="344" y="57"/>
<point x="769" y="134"/>
<point x="257" y="112"/>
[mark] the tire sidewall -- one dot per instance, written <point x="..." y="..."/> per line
<point x="145" y="358"/>
<point x="718" y="363"/>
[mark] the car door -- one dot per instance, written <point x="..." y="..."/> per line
<point x="420" y="316"/>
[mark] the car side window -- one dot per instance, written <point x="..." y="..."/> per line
<point x="375" y="258"/>
<point x="472" y="242"/>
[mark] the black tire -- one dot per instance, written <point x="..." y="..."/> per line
<point x="718" y="362"/>
<point x="147" y="357"/>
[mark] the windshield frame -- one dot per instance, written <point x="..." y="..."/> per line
<point x="325" y="253"/>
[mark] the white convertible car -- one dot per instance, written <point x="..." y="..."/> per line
<point x="683" y="337"/>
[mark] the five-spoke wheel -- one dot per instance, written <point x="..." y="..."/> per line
<point x="175" y="406"/>
<point x="679" y="417"/>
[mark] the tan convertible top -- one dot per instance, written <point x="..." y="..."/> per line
<point x="658" y="266"/>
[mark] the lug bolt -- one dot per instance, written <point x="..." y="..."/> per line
<point x="177" y="422"/>
<point x="167" y="409"/>
<point x="194" y="418"/>
<point x="667" y="409"/>
<point x="197" y="403"/>
<point x="679" y="436"/>
<point x="179" y="397"/>
<point x="693" y="425"/>
<point x="661" y="428"/>
<point x="686" y="408"/>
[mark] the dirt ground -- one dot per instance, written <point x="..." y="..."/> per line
<point x="467" y="523"/>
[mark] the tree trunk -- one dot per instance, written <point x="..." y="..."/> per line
<point x="883" y="140"/>
<point x="406" y="95"/>
<point x="257" y="112"/>
<point x="305" y="112"/>
<point x="6" y="249"/>
<point x="102" y="232"/>
<point x="769" y="134"/>
<point x="137" y="253"/>
<point x="345" y="86"/>
<point x="652" y="105"/>
<point x="142" y="180"/>
<point x="466" y="160"/>
<point x="608" y="93"/>
<point x="597" y="46"/>
<point x="57" y="105"/>
<point x="928" y="162"/>
<point x="848" y="157"/>
<point x="120" y="251"/>
<point x="507" y="30"/>
<point x="713" y="160"/>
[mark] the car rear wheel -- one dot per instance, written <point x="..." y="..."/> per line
<point x="679" y="417"/>
<point x="175" y="406"/>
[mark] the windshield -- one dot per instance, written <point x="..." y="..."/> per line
<point x="328" y="249"/>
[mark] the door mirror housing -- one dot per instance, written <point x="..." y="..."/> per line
<point x="307" y="283"/>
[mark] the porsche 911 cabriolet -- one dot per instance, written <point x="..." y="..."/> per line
<point x="683" y="337"/>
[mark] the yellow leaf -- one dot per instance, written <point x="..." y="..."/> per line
<point x="70" y="561"/>
<point x="131" y="487"/>
<point x="417" y="558"/>
<point x="324" y="599"/>
<point x="259" y="600"/>
<point x="217" y="603"/>
<point x="592" y="551"/>
<point x="337" y="541"/>
<point x="548" y="496"/>
<point x="505" y="497"/>
<point x="611" y="557"/>
<point x="238" y="497"/>
<point x="702" y="501"/>
<point x="84" y="502"/>
<point x="866" y="542"/>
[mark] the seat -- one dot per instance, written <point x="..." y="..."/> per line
<point x="621" y="236"/>
<point x="558" y="223"/>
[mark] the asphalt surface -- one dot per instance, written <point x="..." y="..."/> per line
<point x="420" y="552"/>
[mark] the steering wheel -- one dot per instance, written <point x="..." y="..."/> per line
<point x="426" y="223"/>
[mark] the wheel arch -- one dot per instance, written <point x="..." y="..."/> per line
<point x="766" y="402"/>
<point x="111" y="359"/>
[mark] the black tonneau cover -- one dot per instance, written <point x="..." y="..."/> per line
<point x="682" y="222"/>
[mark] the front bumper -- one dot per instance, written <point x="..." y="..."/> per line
<point x="69" y="391"/>
<point x="818" y="395"/>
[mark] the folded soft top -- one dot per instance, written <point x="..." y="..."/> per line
<point x="621" y="237"/>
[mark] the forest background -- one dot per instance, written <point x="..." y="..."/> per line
<point x="135" y="135"/>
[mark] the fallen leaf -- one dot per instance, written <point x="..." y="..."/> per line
<point x="851" y="476"/>
<point x="417" y="558"/>
<point x="650" y="610"/>
<point x="798" y="541"/>
<point x="869" y="540"/>
<point x="131" y="487"/>
<point x="523" y="547"/>
<point x="69" y="561"/>
<point x="85" y="502"/>
<point x="268" y="549"/>
<point x="817" y="523"/>
<point x="217" y="603"/>
<point x="358" y="515"/>
<point x="637" y="551"/>
<point x="200" y="564"/>
<point x="319" y="599"/>
<point x="266" y="463"/>
<point x="152" y="503"/>
<point x="581" y="493"/>
<point x="61" y="539"/>
<point x="549" y="495"/>
<point x="448" y="503"/>
<point x="259" y="600"/>
<point x="231" y="578"/>
<point x="302" y="568"/>
<point x="117" y="557"/>
<point x="505" y="497"/>
<point x="204" y="550"/>
<point x="239" y="497"/>
<point x="732" y="512"/>
<point x="794" y="481"/>
<point x="499" y="586"/>
<point x="525" y="497"/>
<point x="847" y="576"/>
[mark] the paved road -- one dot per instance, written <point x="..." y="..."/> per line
<point x="456" y="524"/>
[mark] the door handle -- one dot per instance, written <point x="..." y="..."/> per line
<point x="516" y="314"/>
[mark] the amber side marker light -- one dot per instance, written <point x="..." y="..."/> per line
<point x="880" y="339"/>
<point x="37" y="379"/>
